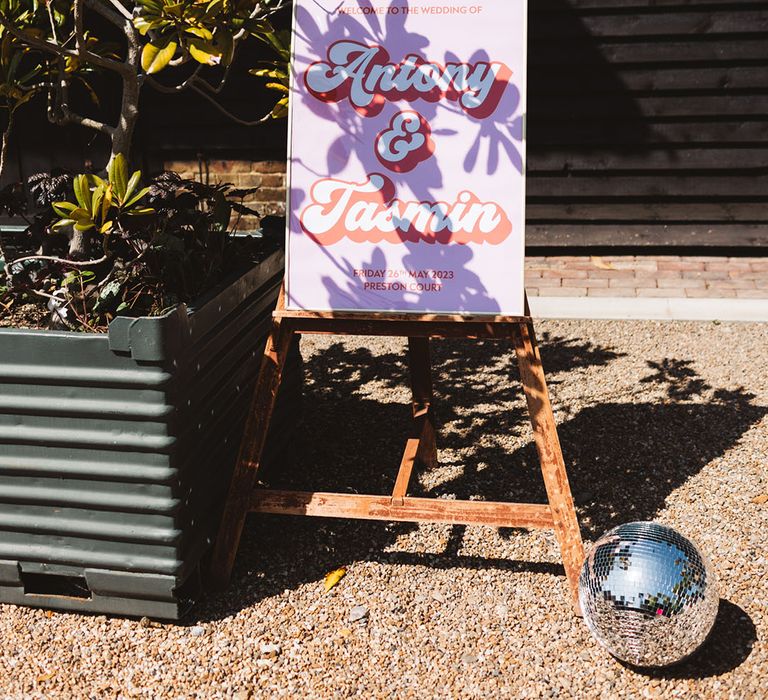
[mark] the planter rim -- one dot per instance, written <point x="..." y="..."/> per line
<point x="183" y="309"/>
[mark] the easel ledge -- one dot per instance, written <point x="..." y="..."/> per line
<point x="559" y="514"/>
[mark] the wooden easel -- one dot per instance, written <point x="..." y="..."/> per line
<point x="559" y="514"/>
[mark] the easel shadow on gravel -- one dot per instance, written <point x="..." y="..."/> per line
<point x="624" y="460"/>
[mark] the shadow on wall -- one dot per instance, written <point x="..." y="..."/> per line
<point x="576" y="99"/>
<point x="624" y="460"/>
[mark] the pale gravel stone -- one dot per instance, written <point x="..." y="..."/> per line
<point x="658" y="420"/>
<point x="358" y="613"/>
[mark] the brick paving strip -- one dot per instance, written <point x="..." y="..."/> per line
<point x="701" y="288"/>
<point x="667" y="276"/>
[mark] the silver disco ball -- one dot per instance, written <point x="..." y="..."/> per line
<point x="647" y="594"/>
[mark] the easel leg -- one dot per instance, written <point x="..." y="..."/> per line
<point x="421" y="385"/>
<point x="249" y="458"/>
<point x="550" y="455"/>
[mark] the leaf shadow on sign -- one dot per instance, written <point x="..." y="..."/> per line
<point x="447" y="278"/>
<point x="625" y="457"/>
<point x="357" y="134"/>
<point x="464" y="289"/>
<point x="449" y="286"/>
<point x="502" y="129"/>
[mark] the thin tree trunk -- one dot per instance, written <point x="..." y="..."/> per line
<point x="129" y="113"/>
<point x="129" y="107"/>
<point x="4" y="252"/>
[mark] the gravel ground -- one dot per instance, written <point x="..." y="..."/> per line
<point x="657" y="420"/>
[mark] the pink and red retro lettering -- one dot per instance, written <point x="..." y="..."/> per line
<point x="407" y="156"/>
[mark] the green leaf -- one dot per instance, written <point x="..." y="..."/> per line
<point x="63" y="209"/>
<point x="118" y="175"/>
<point x="85" y="225"/>
<point x="175" y="9"/>
<point x="220" y="213"/>
<point x="132" y="184"/>
<point x="92" y="94"/>
<point x="277" y="86"/>
<point x="63" y="223"/>
<point x="80" y="215"/>
<point x="69" y="278"/>
<point x="259" y="26"/>
<point x="154" y="58"/>
<point x="98" y="196"/>
<point x="106" y="227"/>
<point x="107" y="203"/>
<point x="204" y="52"/>
<point x="269" y="73"/>
<point x="142" y="24"/>
<point x="226" y="44"/>
<point x="141" y="211"/>
<point x="200" y="32"/>
<point x="110" y="292"/>
<point x="280" y="110"/>
<point x="82" y="191"/>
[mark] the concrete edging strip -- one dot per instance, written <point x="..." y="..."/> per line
<point x="650" y="308"/>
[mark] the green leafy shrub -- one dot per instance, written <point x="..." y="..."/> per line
<point x="101" y="244"/>
<point x="154" y="246"/>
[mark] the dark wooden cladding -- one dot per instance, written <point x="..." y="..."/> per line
<point x="648" y="122"/>
<point x="655" y="22"/>
<point x="687" y="234"/>
<point x="642" y="78"/>
<point x="644" y="4"/>
<point x="643" y="115"/>
<point x="665" y="158"/>
<point x="602" y="107"/>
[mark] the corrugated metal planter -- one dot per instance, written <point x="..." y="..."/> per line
<point x="116" y="450"/>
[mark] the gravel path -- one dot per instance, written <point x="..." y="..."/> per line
<point x="664" y="421"/>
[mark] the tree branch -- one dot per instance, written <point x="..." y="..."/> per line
<point x="5" y="141"/>
<point x="57" y="50"/>
<point x="53" y="24"/>
<point x="257" y="13"/>
<point x="114" y="17"/>
<point x="122" y="20"/>
<point x="180" y="87"/>
<point x="60" y="113"/>
<point x="243" y="122"/>
<point x="69" y="117"/>
<point x="271" y="10"/>
<point x="194" y="83"/>
<point x="129" y="104"/>
<point x="77" y="8"/>
<point x="222" y="83"/>
<point x="120" y="8"/>
<point x="61" y="261"/>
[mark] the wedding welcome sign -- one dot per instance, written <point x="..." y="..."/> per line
<point x="407" y="156"/>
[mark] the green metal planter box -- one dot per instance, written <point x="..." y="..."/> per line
<point x="116" y="450"/>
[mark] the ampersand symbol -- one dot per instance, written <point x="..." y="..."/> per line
<point x="405" y="143"/>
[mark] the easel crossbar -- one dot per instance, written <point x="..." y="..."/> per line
<point x="420" y="450"/>
<point x="416" y="327"/>
<point x="427" y="510"/>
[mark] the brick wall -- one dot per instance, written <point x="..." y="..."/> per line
<point x="267" y="175"/>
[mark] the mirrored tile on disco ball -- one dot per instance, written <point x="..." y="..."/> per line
<point x="647" y="594"/>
